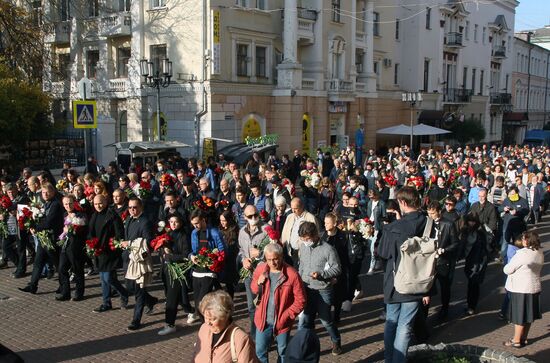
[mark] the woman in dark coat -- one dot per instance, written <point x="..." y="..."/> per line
<point x="104" y="225"/>
<point x="475" y="250"/>
<point x="72" y="255"/>
<point x="176" y="251"/>
<point x="230" y="232"/>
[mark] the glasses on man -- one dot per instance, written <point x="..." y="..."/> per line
<point x="250" y="216"/>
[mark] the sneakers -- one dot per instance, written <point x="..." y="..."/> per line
<point x="470" y="311"/>
<point x="370" y="272"/>
<point x="90" y="272"/>
<point x="168" y="329"/>
<point x="102" y="309"/>
<point x="336" y="348"/>
<point x="71" y="278"/>
<point x="133" y="326"/>
<point x="358" y="294"/>
<point x="346" y="306"/>
<point x="193" y="318"/>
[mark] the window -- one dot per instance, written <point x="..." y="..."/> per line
<point x="64" y="60"/>
<point x="92" y="59"/>
<point x="93" y="8"/>
<point x="261" y="62"/>
<point x="426" y="74"/>
<point x="123" y="5"/>
<point x="474" y="80"/>
<point x="476" y="30"/>
<point x="359" y="58"/>
<point x="64" y="10"/>
<point x="123" y="126"/>
<point x="481" y="73"/>
<point x="483" y="35"/>
<point x="336" y="11"/>
<point x="467" y="30"/>
<point x="397" y="29"/>
<point x="396" y="74"/>
<point x="464" y="77"/>
<point x="428" y="18"/>
<point x="122" y="57"/>
<point x="243" y="3"/>
<point x="242" y="60"/>
<point x="158" y="4"/>
<point x="158" y="53"/>
<point x="37" y="13"/>
<point x="376" y="23"/>
<point x="376" y="68"/>
<point x="261" y="4"/>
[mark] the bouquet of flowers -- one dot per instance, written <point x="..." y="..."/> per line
<point x="264" y="215"/>
<point x="45" y="240"/>
<point x="365" y="227"/>
<point x="115" y="244"/>
<point x="25" y="220"/>
<point x="390" y="180"/>
<point x="89" y="192"/>
<point x="272" y="236"/>
<point x="61" y="185"/>
<point x="124" y="215"/>
<point x="167" y="180"/>
<point x="289" y="186"/>
<point x="223" y="204"/>
<point x="177" y="271"/>
<point x="144" y="190"/>
<point x="162" y="228"/>
<point x="92" y="247"/>
<point x="204" y="203"/>
<point x="212" y="260"/>
<point x="218" y="170"/>
<point x="453" y="180"/>
<point x="160" y="241"/>
<point x="74" y="225"/>
<point x="5" y="205"/>
<point x="37" y="209"/>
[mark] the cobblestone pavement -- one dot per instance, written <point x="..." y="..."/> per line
<point x="41" y="329"/>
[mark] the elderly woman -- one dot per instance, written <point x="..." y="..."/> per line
<point x="524" y="285"/>
<point x="220" y="340"/>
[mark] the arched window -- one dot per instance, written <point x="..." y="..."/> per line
<point x="123" y="126"/>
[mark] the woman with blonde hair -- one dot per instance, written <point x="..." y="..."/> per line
<point x="219" y="339"/>
<point x="524" y="285"/>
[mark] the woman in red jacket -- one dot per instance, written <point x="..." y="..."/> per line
<point x="280" y="298"/>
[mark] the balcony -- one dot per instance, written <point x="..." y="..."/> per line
<point x="57" y="33"/>
<point x="308" y="84"/>
<point x="457" y="95"/>
<point x="118" y="85"/>
<point x="339" y="90"/>
<point x="499" y="52"/>
<point x="306" y="21"/>
<point x="496" y="98"/>
<point x="453" y="40"/>
<point x="116" y="25"/>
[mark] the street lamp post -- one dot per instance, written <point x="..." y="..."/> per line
<point x="156" y="75"/>
<point x="412" y="98"/>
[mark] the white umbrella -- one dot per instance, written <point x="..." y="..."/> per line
<point x="395" y="130"/>
<point x="422" y="129"/>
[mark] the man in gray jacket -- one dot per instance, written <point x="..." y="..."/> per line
<point x="250" y="238"/>
<point x="319" y="268"/>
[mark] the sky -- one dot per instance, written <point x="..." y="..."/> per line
<point x="532" y="14"/>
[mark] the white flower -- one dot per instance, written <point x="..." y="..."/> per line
<point x="162" y="225"/>
<point x="83" y="201"/>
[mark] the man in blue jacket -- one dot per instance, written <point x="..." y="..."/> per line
<point x="401" y="308"/>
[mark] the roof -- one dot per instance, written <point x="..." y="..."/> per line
<point x="148" y="145"/>
<point x="500" y="21"/>
<point x="241" y="153"/>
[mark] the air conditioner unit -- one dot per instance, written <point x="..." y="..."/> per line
<point x="387" y="62"/>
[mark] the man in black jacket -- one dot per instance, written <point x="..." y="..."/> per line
<point x="447" y="244"/>
<point x="52" y="223"/>
<point x="401" y="308"/>
<point x="137" y="226"/>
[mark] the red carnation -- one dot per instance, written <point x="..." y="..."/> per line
<point x="263" y="214"/>
<point x="160" y="241"/>
<point x="273" y="234"/>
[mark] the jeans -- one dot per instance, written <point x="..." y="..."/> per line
<point x="250" y="305"/>
<point x="397" y="331"/>
<point x="263" y="342"/>
<point x="372" y="242"/>
<point x="109" y="279"/>
<point x="319" y="301"/>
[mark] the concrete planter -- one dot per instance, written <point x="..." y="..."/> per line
<point x="424" y="352"/>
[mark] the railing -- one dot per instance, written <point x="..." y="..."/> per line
<point x="453" y="39"/>
<point x="497" y="98"/>
<point x="457" y="95"/>
<point x="308" y="84"/>
<point x="305" y="26"/>
<point x="118" y="85"/>
<point x="339" y="86"/>
<point x="360" y="36"/>
<point x="499" y="51"/>
<point x="57" y="32"/>
<point x="117" y="24"/>
<point x="307" y="14"/>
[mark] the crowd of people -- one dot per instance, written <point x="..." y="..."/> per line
<point x="297" y="232"/>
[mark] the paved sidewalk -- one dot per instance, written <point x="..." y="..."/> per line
<point x="41" y="329"/>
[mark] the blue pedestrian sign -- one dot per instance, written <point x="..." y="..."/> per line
<point x="84" y="114"/>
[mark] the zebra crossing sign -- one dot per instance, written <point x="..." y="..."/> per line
<point x="84" y="114"/>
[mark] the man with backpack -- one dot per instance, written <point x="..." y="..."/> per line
<point x="401" y="308"/>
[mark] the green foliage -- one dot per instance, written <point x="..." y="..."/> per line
<point x="468" y="131"/>
<point x="25" y="108"/>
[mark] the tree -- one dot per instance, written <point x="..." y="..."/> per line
<point x="467" y="131"/>
<point x="25" y="108"/>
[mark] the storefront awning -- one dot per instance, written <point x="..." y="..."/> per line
<point x="515" y="116"/>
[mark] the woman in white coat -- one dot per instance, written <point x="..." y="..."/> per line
<point x="524" y="285"/>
